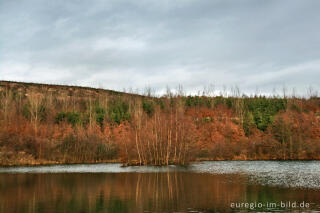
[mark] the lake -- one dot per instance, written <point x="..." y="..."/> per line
<point x="220" y="186"/>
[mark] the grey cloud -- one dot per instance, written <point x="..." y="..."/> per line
<point x="123" y="43"/>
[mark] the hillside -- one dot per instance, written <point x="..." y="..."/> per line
<point x="53" y="124"/>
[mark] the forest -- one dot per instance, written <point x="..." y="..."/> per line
<point x="56" y="124"/>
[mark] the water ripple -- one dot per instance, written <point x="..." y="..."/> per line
<point x="300" y="174"/>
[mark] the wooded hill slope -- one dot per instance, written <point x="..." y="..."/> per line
<point x="43" y="124"/>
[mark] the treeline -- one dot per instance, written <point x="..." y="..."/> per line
<point x="41" y="124"/>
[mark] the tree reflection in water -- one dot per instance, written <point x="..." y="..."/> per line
<point x="136" y="192"/>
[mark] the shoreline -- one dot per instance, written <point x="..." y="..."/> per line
<point x="117" y="161"/>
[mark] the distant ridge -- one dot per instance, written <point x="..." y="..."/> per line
<point x="61" y="87"/>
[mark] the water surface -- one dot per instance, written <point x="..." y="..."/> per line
<point x="202" y="187"/>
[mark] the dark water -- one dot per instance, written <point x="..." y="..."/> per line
<point x="203" y="187"/>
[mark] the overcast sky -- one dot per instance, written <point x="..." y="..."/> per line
<point x="257" y="45"/>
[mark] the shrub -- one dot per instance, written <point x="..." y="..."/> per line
<point x="100" y="114"/>
<point x="148" y="107"/>
<point x="60" y="117"/>
<point x="119" y="111"/>
<point x="248" y="123"/>
<point x="72" y="118"/>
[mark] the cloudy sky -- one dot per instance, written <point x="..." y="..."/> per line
<point x="257" y="45"/>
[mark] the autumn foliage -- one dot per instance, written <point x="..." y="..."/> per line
<point x="41" y="124"/>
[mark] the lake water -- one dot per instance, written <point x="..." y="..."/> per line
<point x="224" y="186"/>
